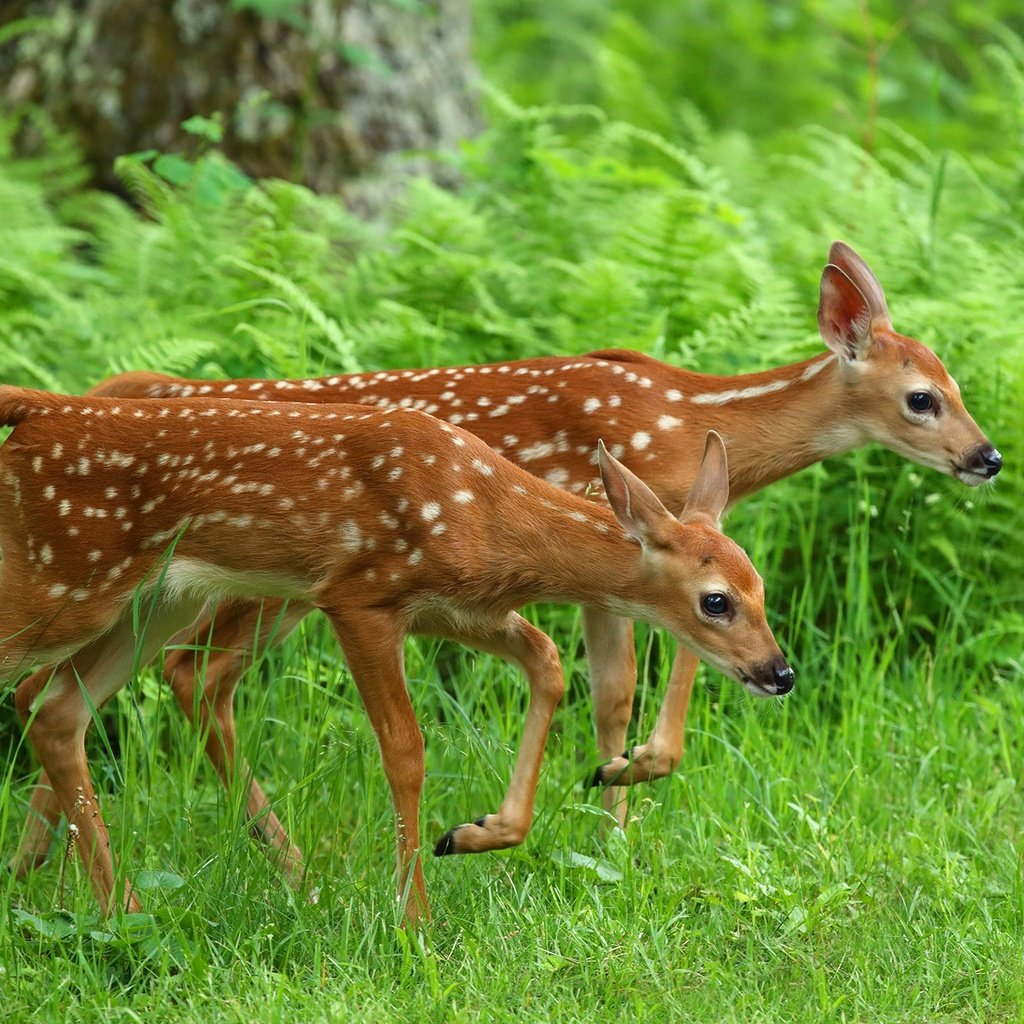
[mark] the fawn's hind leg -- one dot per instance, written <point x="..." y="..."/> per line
<point x="237" y="633"/>
<point x="57" y="709"/>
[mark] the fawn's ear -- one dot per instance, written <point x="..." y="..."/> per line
<point x="842" y="256"/>
<point x="844" y="316"/>
<point x="639" y="511"/>
<point x="709" y="492"/>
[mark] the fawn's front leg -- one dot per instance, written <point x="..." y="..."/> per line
<point x="658" y="757"/>
<point x="612" y="660"/>
<point x="372" y="642"/>
<point x="515" y="640"/>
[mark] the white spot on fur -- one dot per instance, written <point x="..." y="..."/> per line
<point x="430" y="511"/>
<point x="735" y="394"/>
<point x="540" y="450"/>
<point x="640" y="440"/>
<point x="815" y="368"/>
<point x="669" y="422"/>
<point x="351" y="536"/>
<point x="463" y="497"/>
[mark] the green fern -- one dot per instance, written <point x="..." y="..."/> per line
<point x="573" y="230"/>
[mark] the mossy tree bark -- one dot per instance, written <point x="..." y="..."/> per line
<point x="317" y="91"/>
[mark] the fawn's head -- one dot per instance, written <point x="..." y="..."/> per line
<point x="699" y="584"/>
<point x="898" y="388"/>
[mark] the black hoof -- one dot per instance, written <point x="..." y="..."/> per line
<point x="446" y="844"/>
<point x="598" y="779"/>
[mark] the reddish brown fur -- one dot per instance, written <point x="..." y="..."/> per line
<point x="828" y="405"/>
<point x="390" y="523"/>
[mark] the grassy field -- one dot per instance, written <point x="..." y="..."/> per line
<point x="849" y="854"/>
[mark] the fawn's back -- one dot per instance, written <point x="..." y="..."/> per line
<point x="279" y="500"/>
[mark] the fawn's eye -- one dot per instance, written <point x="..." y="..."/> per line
<point x="920" y="401"/>
<point x="715" y="604"/>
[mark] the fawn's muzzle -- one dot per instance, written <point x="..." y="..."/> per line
<point x="784" y="679"/>
<point x="769" y="678"/>
<point x="992" y="461"/>
<point x="984" y="460"/>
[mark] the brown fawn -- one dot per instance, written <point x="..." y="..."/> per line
<point x="391" y="523"/>
<point x="546" y="415"/>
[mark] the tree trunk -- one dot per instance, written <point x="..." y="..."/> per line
<point x="316" y="91"/>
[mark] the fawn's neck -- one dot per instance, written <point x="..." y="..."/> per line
<point x="567" y="550"/>
<point x="774" y="423"/>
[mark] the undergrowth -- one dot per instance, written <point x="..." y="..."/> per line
<point x="857" y="847"/>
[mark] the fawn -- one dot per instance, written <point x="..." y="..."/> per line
<point x="389" y="522"/>
<point x="547" y="414"/>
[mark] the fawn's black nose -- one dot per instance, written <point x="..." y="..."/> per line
<point x="993" y="462"/>
<point x="783" y="679"/>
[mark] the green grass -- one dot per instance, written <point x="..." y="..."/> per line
<point x="852" y="853"/>
<point x="849" y="854"/>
